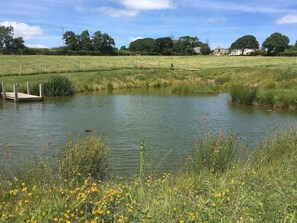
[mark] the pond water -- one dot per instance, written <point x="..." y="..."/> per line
<point x="168" y="124"/>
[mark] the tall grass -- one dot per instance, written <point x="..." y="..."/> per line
<point x="58" y="86"/>
<point x="215" y="153"/>
<point x="262" y="189"/>
<point x="243" y="94"/>
<point x="85" y="157"/>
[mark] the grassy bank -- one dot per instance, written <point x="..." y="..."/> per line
<point x="274" y="78"/>
<point x="261" y="188"/>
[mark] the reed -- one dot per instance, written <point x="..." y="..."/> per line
<point x="58" y="86"/>
<point x="215" y="154"/>
<point x="243" y="94"/>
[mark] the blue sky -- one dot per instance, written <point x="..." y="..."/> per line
<point x="220" y="22"/>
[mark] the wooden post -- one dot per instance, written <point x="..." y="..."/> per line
<point x="28" y="88"/>
<point x="3" y="91"/>
<point x="16" y="92"/>
<point x="41" y="91"/>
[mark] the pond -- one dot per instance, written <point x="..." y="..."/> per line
<point x="168" y="124"/>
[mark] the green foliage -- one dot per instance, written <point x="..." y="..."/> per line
<point x="243" y="94"/>
<point x="245" y="42"/>
<point x="215" y="154"/>
<point x="86" y="157"/>
<point x="99" y="42"/>
<point x="279" y="148"/>
<point x="9" y="44"/>
<point x="276" y="43"/>
<point x="58" y="86"/>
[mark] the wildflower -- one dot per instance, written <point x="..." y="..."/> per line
<point x="56" y="219"/>
<point x="218" y="195"/>
<point x="213" y="205"/>
<point x="13" y="192"/>
<point x="30" y="194"/>
<point x="121" y="219"/>
<point x="25" y="189"/>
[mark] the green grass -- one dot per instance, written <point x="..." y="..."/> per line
<point x="261" y="188"/>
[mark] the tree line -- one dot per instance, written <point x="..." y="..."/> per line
<point x="275" y="44"/>
<point x="103" y="44"/>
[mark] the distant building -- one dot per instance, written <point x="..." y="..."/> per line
<point x="239" y="52"/>
<point x="220" y="51"/>
<point x="197" y="50"/>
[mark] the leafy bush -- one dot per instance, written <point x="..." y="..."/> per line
<point x="58" y="86"/>
<point x="85" y="157"/>
<point x="243" y="94"/>
<point x="215" y="154"/>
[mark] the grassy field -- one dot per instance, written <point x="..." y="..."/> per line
<point x="274" y="78"/>
<point x="16" y="65"/>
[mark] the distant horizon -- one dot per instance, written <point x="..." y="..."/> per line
<point x="42" y="23"/>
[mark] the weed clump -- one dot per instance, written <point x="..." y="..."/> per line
<point x="58" y="86"/>
<point x="215" y="154"/>
<point x="86" y="157"/>
<point x="243" y="94"/>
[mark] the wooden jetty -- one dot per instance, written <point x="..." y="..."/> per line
<point x="17" y="96"/>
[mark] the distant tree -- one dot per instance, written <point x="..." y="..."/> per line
<point x="164" y="45"/>
<point x="8" y="42"/>
<point x="108" y="44"/>
<point x="276" y="43"/>
<point x="85" y="42"/>
<point x="145" y="46"/>
<point x="14" y="45"/>
<point x="205" y="49"/>
<point x="5" y="33"/>
<point x="71" y="40"/>
<point x="100" y="42"/>
<point x="245" y="42"/>
<point x="296" y="44"/>
<point x="185" y="45"/>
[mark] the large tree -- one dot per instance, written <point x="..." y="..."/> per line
<point x="71" y="40"/>
<point x="276" y="43"/>
<point x="164" y="45"/>
<point x="185" y="45"/>
<point x="8" y="42"/>
<point x="100" y="42"/>
<point x="146" y="46"/>
<point x="245" y="42"/>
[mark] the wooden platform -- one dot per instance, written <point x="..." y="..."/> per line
<point x="17" y="96"/>
<point x="23" y="97"/>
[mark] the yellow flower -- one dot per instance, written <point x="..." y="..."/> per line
<point x="217" y="195"/>
<point x="30" y="194"/>
<point x="121" y="219"/>
<point x="56" y="219"/>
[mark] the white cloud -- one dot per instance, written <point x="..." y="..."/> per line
<point x="37" y="46"/>
<point x="23" y="30"/>
<point x="147" y="4"/>
<point x="288" y="19"/>
<point x="216" y="19"/>
<point x="116" y="13"/>
<point x="132" y="39"/>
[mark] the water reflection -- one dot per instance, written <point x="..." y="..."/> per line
<point x="169" y="124"/>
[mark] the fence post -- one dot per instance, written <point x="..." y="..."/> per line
<point x="28" y="88"/>
<point x="16" y="92"/>
<point x="3" y="91"/>
<point x="41" y="91"/>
